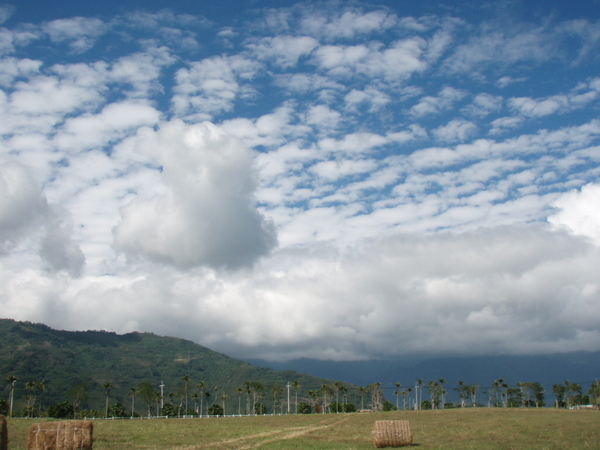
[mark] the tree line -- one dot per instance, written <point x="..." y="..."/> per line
<point x="189" y="398"/>
<point x="499" y="394"/>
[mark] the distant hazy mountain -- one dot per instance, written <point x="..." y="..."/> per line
<point x="582" y="368"/>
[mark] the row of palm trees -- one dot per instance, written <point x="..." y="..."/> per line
<point x="253" y="393"/>
<point x="31" y="387"/>
<point x="500" y="393"/>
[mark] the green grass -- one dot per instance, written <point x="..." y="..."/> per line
<point x="480" y="428"/>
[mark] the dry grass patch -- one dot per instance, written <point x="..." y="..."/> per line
<point x="479" y="428"/>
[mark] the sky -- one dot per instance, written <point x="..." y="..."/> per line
<point x="336" y="180"/>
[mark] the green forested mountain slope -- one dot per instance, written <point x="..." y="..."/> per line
<point x="68" y="360"/>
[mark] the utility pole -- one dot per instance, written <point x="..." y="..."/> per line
<point x="162" y="387"/>
<point x="288" y="396"/>
<point x="12" y="396"/>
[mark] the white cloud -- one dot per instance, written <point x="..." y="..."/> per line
<point x="484" y="105"/>
<point x="211" y="86"/>
<point x="22" y="204"/>
<point x="47" y="94"/>
<point x="345" y="23"/>
<point x="59" y="251"/>
<point x="579" y="212"/>
<point x="269" y="130"/>
<point x="579" y="97"/>
<point x="141" y="70"/>
<point x="504" y="124"/>
<point x="26" y="216"/>
<point x="323" y="118"/>
<point x="284" y="51"/>
<point x="455" y="131"/>
<point x="206" y="216"/>
<point x="393" y="64"/>
<point x="374" y="98"/>
<point x="113" y="122"/>
<point x="353" y="143"/>
<point x="11" y="68"/>
<point x="506" y="81"/>
<point x="6" y="11"/>
<point x="445" y="100"/>
<point x="80" y="33"/>
<point x="532" y="108"/>
<point x="332" y="170"/>
<point x="493" y="47"/>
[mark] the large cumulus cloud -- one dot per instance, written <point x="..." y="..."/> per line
<point x="28" y="220"/>
<point x="203" y="213"/>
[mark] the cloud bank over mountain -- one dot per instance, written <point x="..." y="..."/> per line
<point x="326" y="180"/>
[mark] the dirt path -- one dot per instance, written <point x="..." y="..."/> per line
<point x="249" y="441"/>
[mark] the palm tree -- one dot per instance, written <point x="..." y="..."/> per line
<point x="595" y="392"/>
<point x="216" y="394"/>
<point x="186" y="382"/>
<point x="434" y="393"/>
<point x="79" y="394"/>
<point x="523" y="388"/>
<point x="442" y="382"/>
<point x="376" y="396"/>
<point x="224" y="396"/>
<point x="276" y="389"/>
<point x="201" y="386"/>
<point x="248" y="390"/>
<point x="397" y="393"/>
<point x="107" y="387"/>
<point x="344" y="390"/>
<point x="496" y="393"/>
<point x="30" y="386"/>
<point x="418" y="385"/>
<point x="473" y="388"/>
<point x="462" y="392"/>
<point x="195" y="396"/>
<point x="207" y="396"/>
<point x="559" y="393"/>
<point x="362" y="391"/>
<point x="132" y="392"/>
<point x="573" y="393"/>
<point x="296" y="386"/>
<point x="239" y="392"/>
<point x="11" y="380"/>
<point x="336" y="387"/>
<point x="313" y="395"/>
<point x="42" y="388"/>
<point x="256" y="388"/>
<point x="325" y="391"/>
<point x="404" y="394"/>
<point x="148" y="393"/>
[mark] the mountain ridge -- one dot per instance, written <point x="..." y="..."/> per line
<point x="68" y="360"/>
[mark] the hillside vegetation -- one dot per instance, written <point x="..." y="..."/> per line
<point x="76" y="365"/>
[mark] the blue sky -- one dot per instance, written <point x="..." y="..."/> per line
<point x="336" y="180"/>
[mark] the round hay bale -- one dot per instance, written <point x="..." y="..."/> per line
<point x="3" y="433"/>
<point x="392" y="433"/>
<point x="67" y="435"/>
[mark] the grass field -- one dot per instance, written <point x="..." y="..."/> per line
<point x="480" y="428"/>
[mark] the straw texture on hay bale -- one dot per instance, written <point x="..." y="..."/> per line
<point x="392" y="433"/>
<point x="68" y="435"/>
<point x="3" y="433"/>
